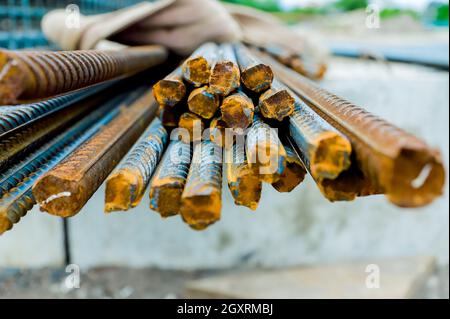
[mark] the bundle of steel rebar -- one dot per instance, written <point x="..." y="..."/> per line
<point x="227" y="112"/>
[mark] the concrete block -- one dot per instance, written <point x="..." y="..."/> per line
<point x="396" y="278"/>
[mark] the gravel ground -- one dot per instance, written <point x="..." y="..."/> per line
<point x="137" y="283"/>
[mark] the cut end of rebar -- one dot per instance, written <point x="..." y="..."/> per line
<point x="197" y="71"/>
<point x="246" y="190"/>
<point x="166" y="198"/>
<point x="203" y="102"/>
<point x="331" y="156"/>
<point x="277" y="105"/>
<point x="225" y="78"/>
<point x="237" y="112"/>
<point x="123" y="191"/>
<point x="418" y="178"/>
<point x="12" y="79"/>
<point x="217" y="133"/>
<point x="333" y="193"/>
<point x="5" y="223"/>
<point x="257" y="78"/>
<point x="59" y="197"/>
<point x="191" y="122"/>
<point x="169" y="92"/>
<point x="270" y="162"/>
<point x="203" y="209"/>
<point x="293" y="175"/>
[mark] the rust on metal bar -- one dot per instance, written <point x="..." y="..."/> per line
<point x="225" y="75"/>
<point x="300" y="63"/>
<point x="125" y="187"/>
<point x="192" y="123"/>
<point x="293" y="174"/>
<point x="197" y="68"/>
<point x="277" y="102"/>
<point x="16" y="197"/>
<point x="28" y="75"/>
<point x="397" y="163"/>
<point x="243" y="182"/>
<point x="255" y="75"/>
<point x="169" y="180"/>
<point x="13" y="117"/>
<point x="171" y="90"/>
<point x="324" y="150"/>
<point x="265" y="152"/>
<point x="15" y="143"/>
<point x="308" y="68"/>
<point x="237" y="111"/>
<point x="203" y="102"/>
<point x="282" y="54"/>
<point x="201" y="201"/>
<point x="65" y="189"/>
<point x="169" y="116"/>
<point x="350" y="184"/>
<point x="217" y="131"/>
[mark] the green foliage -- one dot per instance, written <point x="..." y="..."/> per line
<point x="349" y="5"/>
<point x="442" y="13"/>
<point x="266" y="5"/>
<point x="394" y="12"/>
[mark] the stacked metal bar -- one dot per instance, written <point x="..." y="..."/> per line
<point x="226" y="106"/>
<point x="35" y="138"/>
<point x="274" y="127"/>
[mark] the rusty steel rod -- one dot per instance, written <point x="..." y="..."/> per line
<point x="300" y="63"/>
<point x="28" y="75"/>
<point x="197" y="68"/>
<point x="171" y="90"/>
<point x="169" y="116"/>
<point x="16" y="197"/>
<point x="201" y="200"/>
<point x="293" y="174"/>
<point x="244" y="184"/>
<point x="308" y="68"/>
<point x="225" y="75"/>
<point x="203" y="102"/>
<point x="255" y="75"/>
<point x="16" y="143"/>
<point x="324" y="150"/>
<point x="169" y="180"/>
<point x="65" y="189"/>
<point x="277" y="102"/>
<point x="265" y="152"/>
<point x="282" y="54"/>
<point x="350" y="184"/>
<point x="125" y="187"/>
<point x="397" y="163"/>
<point x="237" y="111"/>
<point x="217" y="131"/>
<point x="193" y="124"/>
<point x="15" y="116"/>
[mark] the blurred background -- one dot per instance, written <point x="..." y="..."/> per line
<point x="390" y="57"/>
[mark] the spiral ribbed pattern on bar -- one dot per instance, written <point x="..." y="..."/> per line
<point x="260" y="132"/>
<point x="15" y="190"/>
<point x="12" y="116"/>
<point x="13" y="145"/>
<point x="175" y="165"/>
<point x="305" y="128"/>
<point x="145" y="156"/>
<point x="375" y="131"/>
<point x="52" y="73"/>
<point x="37" y="159"/>
<point x="206" y="168"/>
